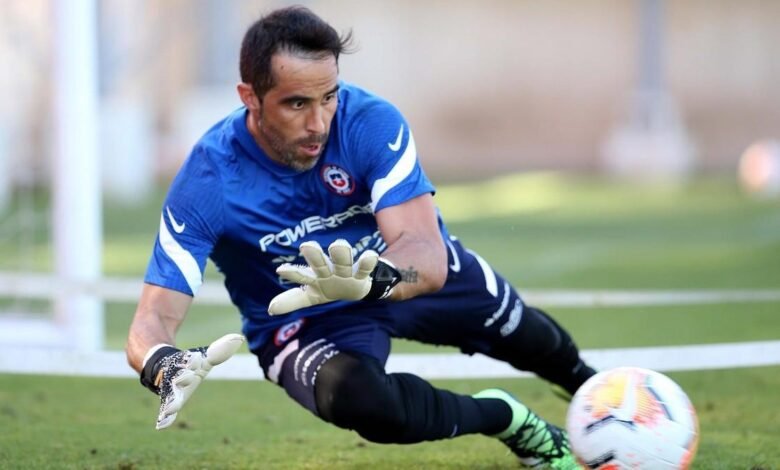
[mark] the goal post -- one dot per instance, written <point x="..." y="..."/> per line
<point x="76" y="201"/>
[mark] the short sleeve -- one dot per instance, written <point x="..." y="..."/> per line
<point x="190" y="224"/>
<point x="385" y="145"/>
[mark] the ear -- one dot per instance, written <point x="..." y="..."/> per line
<point x="248" y="97"/>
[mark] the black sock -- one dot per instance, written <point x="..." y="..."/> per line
<point x="438" y="414"/>
<point x="354" y="392"/>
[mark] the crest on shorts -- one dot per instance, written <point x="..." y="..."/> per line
<point x="338" y="180"/>
<point x="287" y="331"/>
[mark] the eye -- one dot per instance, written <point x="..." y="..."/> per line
<point x="298" y="104"/>
<point x="329" y="98"/>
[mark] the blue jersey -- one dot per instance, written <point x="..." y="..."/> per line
<point x="249" y="214"/>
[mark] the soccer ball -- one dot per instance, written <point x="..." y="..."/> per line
<point x="634" y="418"/>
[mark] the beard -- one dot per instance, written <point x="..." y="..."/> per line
<point x="288" y="152"/>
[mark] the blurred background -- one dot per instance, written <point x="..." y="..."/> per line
<point x="490" y="87"/>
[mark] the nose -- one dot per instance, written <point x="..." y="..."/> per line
<point x="315" y="121"/>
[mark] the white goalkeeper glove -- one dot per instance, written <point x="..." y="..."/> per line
<point x="336" y="278"/>
<point x="175" y="374"/>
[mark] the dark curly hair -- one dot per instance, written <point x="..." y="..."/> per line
<point x="293" y="30"/>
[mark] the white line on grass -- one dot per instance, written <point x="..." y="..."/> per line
<point x="118" y="289"/>
<point x="431" y="366"/>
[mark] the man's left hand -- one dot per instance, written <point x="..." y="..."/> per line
<point x="327" y="279"/>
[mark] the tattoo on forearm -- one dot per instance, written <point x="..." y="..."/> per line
<point x="409" y="275"/>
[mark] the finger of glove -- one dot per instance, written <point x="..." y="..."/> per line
<point x="365" y="264"/>
<point x="163" y="421"/>
<point x="341" y="256"/>
<point x="182" y="388"/>
<point x="189" y="377"/>
<point x="316" y="259"/>
<point x="289" y="301"/>
<point x="296" y="273"/>
<point x="223" y="348"/>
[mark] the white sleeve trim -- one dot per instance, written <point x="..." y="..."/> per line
<point x="181" y="257"/>
<point x="398" y="173"/>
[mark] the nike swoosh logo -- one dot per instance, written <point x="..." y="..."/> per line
<point x="455" y="266"/>
<point x="397" y="145"/>
<point x="178" y="228"/>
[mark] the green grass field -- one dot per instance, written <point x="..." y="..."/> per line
<point x="540" y="231"/>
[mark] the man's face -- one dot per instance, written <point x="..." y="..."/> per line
<point x="293" y="119"/>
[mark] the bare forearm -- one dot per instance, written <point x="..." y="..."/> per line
<point x="147" y="331"/>
<point x="422" y="264"/>
<point x="159" y="314"/>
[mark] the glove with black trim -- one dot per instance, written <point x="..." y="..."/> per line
<point x="174" y="374"/>
<point x="336" y="277"/>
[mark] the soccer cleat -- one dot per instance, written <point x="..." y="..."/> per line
<point x="536" y="442"/>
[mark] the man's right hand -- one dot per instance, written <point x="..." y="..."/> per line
<point x="175" y="374"/>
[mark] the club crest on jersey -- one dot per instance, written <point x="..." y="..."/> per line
<point x="338" y="180"/>
<point x="285" y="332"/>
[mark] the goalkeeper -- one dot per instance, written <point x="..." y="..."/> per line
<point x="311" y="200"/>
